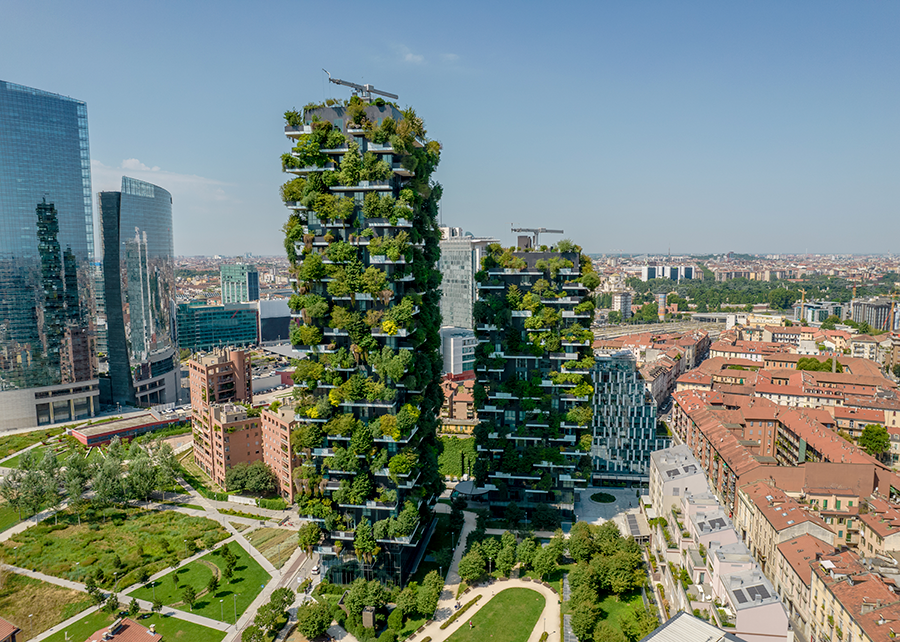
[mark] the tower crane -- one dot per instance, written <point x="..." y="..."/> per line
<point x="536" y="232"/>
<point x="363" y="91"/>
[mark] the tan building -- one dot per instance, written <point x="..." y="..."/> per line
<point x="851" y="603"/>
<point x="765" y="516"/>
<point x="458" y="409"/>
<point x="226" y="436"/>
<point x="879" y="530"/>
<point x="792" y="575"/>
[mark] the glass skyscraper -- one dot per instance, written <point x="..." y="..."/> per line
<point x="139" y="292"/>
<point x="47" y="355"/>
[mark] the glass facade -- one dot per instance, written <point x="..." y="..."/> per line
<point x="240" y="283"/>
<point x="204" y="327"/>
<point x="46" y="252"/>
<point x="624" y="422"/>
<point x="460" y="260"/>
<point x="139" y="291"/>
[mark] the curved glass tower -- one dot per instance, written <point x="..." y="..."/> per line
<point x="139" y="290"/>
<point x="47" y="357"/>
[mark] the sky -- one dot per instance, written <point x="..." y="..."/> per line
<point x="636" y="126"/>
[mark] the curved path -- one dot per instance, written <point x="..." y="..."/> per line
<point x="550" y="612"/>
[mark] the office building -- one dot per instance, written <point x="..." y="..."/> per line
<point x="274" y="321"/>
<point x="534" y="390"/>
<point x="458" y="349"/>
<point x="460" y="260"/>
<point x="240" y="283"/>
<point x="139" y="291"/>
<point x="47" y="354"/>
<point x="621" y="302"/>
<point x="673" y="272"/>
<point x="624" y="422"/>
<point x="363" y="247"/>
<point x="204" y="327"/>
<point x="876" y="311"/>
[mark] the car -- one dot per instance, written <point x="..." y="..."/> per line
<point x="314" y="571"/>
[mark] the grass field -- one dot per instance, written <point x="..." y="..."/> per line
<point x="276" y="544"/>
<point x="119" y="540"/>
<point x="49" y="604"/>
<point x="508" y="617"/>
<point x="614" y="609"/>
<point x="172" y="629"/>
<point x="14" y="443"/>
<point x="240" y="527"/>
<point x="248" y="580"/>
<point x="458" y="452"/>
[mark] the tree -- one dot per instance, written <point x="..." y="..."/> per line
<point x="608" y="537"/>
<point x="875" y="440"/>
<point x="189" y="596"/>
<point x="581" y="542"/>
<point x="313" y="619"/>
<point x="77" y="472"/>
<point x="513" y="514"/>
<point x="544" y="562"/>
<point x="614" y="317"/>
<point x="157" y="605"/>
<point x="281" y="599"/>
<point x="376" y="595"/>
<point x="408" y="600"/>
<point x="253" y="634"/>
<point x="364" y="541"/>
<point x="471" y="566"/>
<point x="166" y="466"/>
<point x="308" y="536"/>
<point x="357" y="596"/>
<point x="267" y="617"/>
<point x="260" y="479"/>
<point x="141" y="477"/>
<point x="606" y="631"/>
<point x="108" y="483"/>
<point x="213" y="585"/>
<point x="831" y="322"/>
<point x="11" y="489"/>
<point x="584" y="618"/>
<point x="637" y="623"/>
<point x="897" y="370"/>
<point x="112" y="603"/>
<point x="781" y="299"/>
<point x="444" y="558"/>
<point x="506" y="560"/>
<point x="545" y="518"/>
<point x="525" y="551"/>
<point x="491" y="549"/>
<point x="133" y="608"/>
<point x="430" y="594"/>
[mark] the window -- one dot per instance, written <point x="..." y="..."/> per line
<point x="850" y="503"/>
<point x="824" y="503"/>
<point x="837" y="504"/>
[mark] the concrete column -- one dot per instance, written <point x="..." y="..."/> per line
<point x="51" y="411"/>
<point x="72" y="409"/>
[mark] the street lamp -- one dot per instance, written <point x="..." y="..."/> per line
<point x="223" y="608"/>
<point x="16" y="549"/>
<point x="234" y="597"/>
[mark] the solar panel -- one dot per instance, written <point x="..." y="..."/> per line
<point x="718" y="522"/>
<point x="758" y="592"/>
<point x="690" y="469"/>
<point x="672" y="473"/>
<point x="740" y="597"/>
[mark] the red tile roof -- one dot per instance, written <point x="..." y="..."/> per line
<point x="128" y="631"/>
<point x="799" y="551"/>
<point x="7" y="629"/>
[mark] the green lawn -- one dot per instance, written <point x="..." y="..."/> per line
<point x="14" y="443"/>
<point x="614" y="609"/>
<point x="508" y="617"/>
<point x="9" y="516"/>
<point x="117" y="540"/>
<point x="171" y="628"/>
<point x="457" y="453"/>
<point x="276" y="544"/>
<point x="249" y="579"/>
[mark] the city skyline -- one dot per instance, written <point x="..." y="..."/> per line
<point x="700" y="128"/>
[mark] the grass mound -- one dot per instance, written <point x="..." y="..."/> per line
<point x="603" y="498"/>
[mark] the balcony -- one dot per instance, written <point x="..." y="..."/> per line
<point x="311" y="169"/>
<point x="292" y="131"/>
<point x="364" y="186"/>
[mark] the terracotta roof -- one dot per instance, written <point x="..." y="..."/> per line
<point x="7" y="629"/>
<point x="127" y="631"/>
<point x="781" y="511"/>
<point x="882" y="518"/>
<point x="799" y="551"/>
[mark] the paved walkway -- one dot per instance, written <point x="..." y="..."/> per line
<point x="550" y="613"/>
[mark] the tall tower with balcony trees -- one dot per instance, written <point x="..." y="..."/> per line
<point x="362" y="240"/>
<point x="533" y="393"/>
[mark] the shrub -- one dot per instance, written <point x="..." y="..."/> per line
<point x="465" y="607"/>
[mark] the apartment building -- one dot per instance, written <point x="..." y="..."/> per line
<point x="458" y="410"/>
<point x="852" y="599"/>
<point x="879" y="532"/>
<point x="277" y="423"/>
<point x="792" y="575"/>
<point x="674" y="472"/>
<point x="765" y="517"/>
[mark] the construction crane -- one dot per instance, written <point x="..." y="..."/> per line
<point x="803" y="307"/>
<point x="363" y="91"/>
<point x="536" y="231"/>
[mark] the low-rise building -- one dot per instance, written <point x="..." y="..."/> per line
<point x="791" y="575"/>
<point x="674" y="472"/>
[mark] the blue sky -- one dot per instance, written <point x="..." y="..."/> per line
<point x="635" y="126"/>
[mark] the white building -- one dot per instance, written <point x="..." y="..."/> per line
<point x="674" y="472"/>
<point x="458" y="349"/>
<point x="621" y="302"/>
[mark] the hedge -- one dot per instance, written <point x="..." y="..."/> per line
<point x="272" y="504"/>
<point x="460" y="612"/>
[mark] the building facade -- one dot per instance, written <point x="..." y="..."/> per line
<point x="362" y="240"/>
<point x="138" y="255"/>
<point x="47" y="355"/>
<point x="458" y="350"/>
<point x="460" y="261"/>
<point x="240" y="283"/>
<point x="205" y="327"/>
<point x="621" y="302"/>
<point x="624" y="422"/>
<point x="533" y="394"/>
